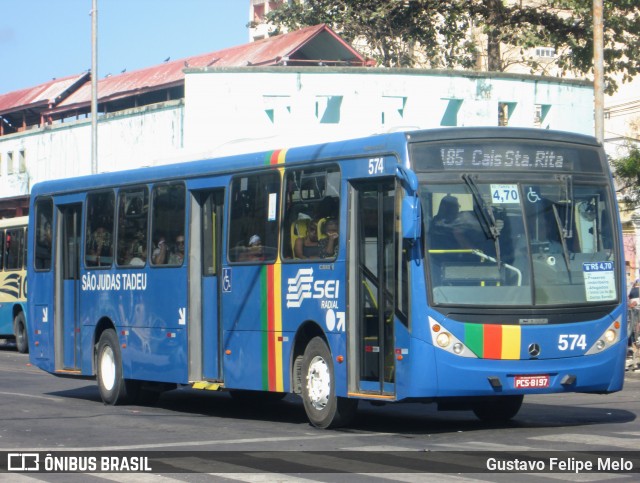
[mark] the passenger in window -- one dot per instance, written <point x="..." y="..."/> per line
<point x="254" y="250"/>
<point x="308" y="246"/>
<point x="450" y="229"/>
<point x="160" y="253"/>
<point x="99" y="247"/>
<point x="329" y="243"/>
<point x="177" y="257"/>
<point x="140" y="258"/>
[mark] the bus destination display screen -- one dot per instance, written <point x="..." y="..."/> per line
<point x="503" y="156"/>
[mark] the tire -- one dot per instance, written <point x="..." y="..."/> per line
<point x="113" y="387"/>
<point x="324" y="409"/>
<point x="20" y="331"/>
<point x="498" y="409"/>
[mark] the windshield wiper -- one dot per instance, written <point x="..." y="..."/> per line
<point x="490" y="227"/>
<point x="567" y="228"/>
<point x="563" y="239"/>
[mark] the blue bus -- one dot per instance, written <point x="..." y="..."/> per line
<point x="465" y="267"/>
<point x="13" y="281"/>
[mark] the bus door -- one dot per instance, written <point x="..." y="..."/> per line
<point x="67" y="269"/>
<point x="204" y="303"/>
<point x="371" y="319"/>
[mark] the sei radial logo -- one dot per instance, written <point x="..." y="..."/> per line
<point x="303" y="286"/>
<point x="299" y="287"/>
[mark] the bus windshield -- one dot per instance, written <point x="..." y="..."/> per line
<point x="519" y="243"/>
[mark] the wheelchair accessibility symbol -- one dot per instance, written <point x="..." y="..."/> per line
<point x="226" y="280"/>
<point x="532" y="196"/>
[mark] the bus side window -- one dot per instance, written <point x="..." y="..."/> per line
<point x="133" y="207"/>
<point x="25" y="249"/>
<point x="44" y="222"/>
<point x="168" y="224"/>
<point x="1" y="250"/>
<point x="313" y="199"/>
<point x="253" y="232"/>
<point x="99" y="235"/>
<point x="15" y="248"/>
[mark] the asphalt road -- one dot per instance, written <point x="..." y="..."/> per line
<point x="42" y="413"/>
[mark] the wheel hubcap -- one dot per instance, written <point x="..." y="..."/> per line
<point x="318" y="383"/>
<point x="107" y="368"/>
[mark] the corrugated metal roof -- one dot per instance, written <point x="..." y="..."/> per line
<point x="318" y="42"/>
<point x="40" y="96"/>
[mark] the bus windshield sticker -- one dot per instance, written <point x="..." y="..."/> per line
<point x="273" y="203"/>
<point x="599" y="281"/>
<point x="504" y="193"/>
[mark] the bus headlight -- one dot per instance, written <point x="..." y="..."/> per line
<point x="443" y="339"/>
<point x="609" y="337"/>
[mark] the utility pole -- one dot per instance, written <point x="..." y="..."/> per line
<point x="94" y="87"/>
<point x="598" y="68"/>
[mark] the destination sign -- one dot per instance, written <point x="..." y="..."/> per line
<point x="504" y="156"/>
<point x="492" y="157"/>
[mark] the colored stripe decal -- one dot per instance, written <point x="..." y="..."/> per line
<point x="511" y="341"/>
<point x="271" y="314"/>
<point x="271" y="329"/>
<point x="473" y="338"/>
<point x="277" y="316"/>
<point x="492" y="341"/>
<point x="276" y="157"/>
<point x="271" y="311"/>
<point x="264" y="328"/>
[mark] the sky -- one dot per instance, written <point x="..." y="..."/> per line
<point x="45" y="39"/>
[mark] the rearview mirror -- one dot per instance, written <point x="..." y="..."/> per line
<point x="411" y="217"/>
<point x="411" y="214"/>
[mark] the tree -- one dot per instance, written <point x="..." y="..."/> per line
<point x="567" y="26"/>
<point x="626" y="172"/>
<point x="429" y="33"/>
<point x="443" y="33"/>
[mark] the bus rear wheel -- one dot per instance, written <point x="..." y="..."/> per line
<point x="324" y="409"/>
<point x="113" y="387"/>
<point x="499" y="409"/>
<point x="20" y="331"/>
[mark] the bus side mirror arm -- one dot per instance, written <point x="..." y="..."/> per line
<point x="411" y="216"/>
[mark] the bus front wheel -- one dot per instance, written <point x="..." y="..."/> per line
<point x="20" y="331"/>
<point x="113" y="387"/>
<point x="324" y="409"/>
<point x="498" y="409"/>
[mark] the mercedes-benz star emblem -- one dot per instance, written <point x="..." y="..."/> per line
<point x="534" y="350"/>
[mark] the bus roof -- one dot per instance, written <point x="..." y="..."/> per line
<point x="16" y="221"/>
<point x="379" y="143"/>
<point x="494" y="132"/>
